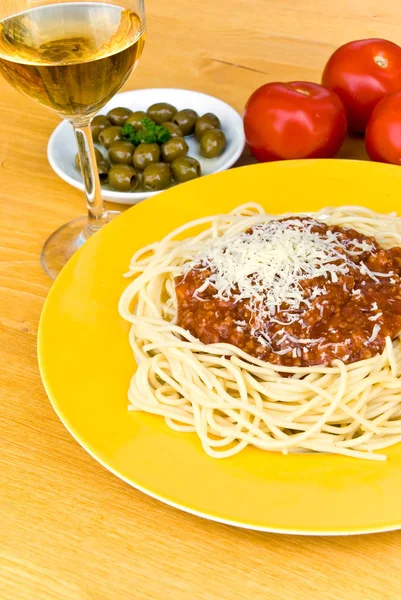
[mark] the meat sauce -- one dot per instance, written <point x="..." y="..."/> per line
<point x="349" y="321"/>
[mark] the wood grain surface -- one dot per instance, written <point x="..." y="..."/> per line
<point x="69" y="530"/>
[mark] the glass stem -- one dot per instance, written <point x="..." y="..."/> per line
<point x="97" y="214"/>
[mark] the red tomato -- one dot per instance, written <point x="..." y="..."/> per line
<point x="383" y="133"/>
<point x="361" y="73"/>
<point x="294" y="120"/>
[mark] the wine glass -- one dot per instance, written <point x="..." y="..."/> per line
<point x="72" y="57"/>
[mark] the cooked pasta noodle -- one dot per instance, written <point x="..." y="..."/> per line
<point x="232" y="399"/>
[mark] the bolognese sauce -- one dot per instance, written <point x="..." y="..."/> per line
<point x="294" y="292"/>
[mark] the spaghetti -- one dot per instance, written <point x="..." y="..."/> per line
<point x="342" y="402"/>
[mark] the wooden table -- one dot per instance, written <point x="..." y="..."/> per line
<point x="69" y="530"/>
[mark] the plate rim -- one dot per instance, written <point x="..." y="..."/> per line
<point x="207" y="516"/>
<point x="160" y="497"/>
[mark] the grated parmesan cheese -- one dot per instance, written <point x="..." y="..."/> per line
<point x="376" y="316"/>
<point x="266" y="266"/>
<point x="375" y="333"/>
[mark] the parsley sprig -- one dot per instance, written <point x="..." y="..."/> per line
<point x="149" y="133"/>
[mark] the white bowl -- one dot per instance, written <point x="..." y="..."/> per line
<point x="62" y="148"/>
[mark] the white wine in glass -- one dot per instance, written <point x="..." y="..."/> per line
<point x="72" y="57"/>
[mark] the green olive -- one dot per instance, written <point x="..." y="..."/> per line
<point x="136" y="119"/>
<point x="173" y="129"/>
<point x="156" y="176"/>
<point x="205" y="123"/>
<point x="174" y="148"/>
<point x="110" y="135"/>
<point x="98" y="155"/>
<point x="212" y="143"/>
<point x="186" y="119"/>
<point x="123" y="178"/>
<point x="185" y="168"/>
<point x="161" y="112"/>
<point x="103" y="168"/>
<point x="119" y="115"/>
<point x="99" y="123"/>
<point x="103" y="165"/>
<point x="144" y="155"/>
<point x="121" y="152"/>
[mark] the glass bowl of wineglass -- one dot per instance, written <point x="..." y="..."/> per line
<point x="72" y="57"/>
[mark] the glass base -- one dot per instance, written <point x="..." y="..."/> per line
<point x="64" y="242"/>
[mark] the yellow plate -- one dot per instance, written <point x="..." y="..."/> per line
<point x="86" y="365"/>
